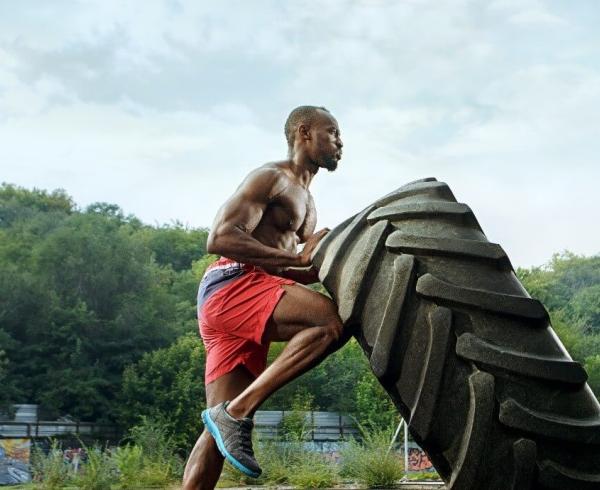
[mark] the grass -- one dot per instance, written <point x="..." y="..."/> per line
<point x="371" y="462"/>
<point x="285" y="463"/>
<point x="148" y="461"/>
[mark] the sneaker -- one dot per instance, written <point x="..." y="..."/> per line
<point x="233" y="438"/>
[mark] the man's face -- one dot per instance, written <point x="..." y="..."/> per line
<point x="325" y="146"/>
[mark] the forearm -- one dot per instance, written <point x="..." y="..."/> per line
<point x="302" y="276"/>
<point x="243" y="247"/>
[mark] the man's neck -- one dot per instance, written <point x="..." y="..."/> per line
<point x="304" y="168"/>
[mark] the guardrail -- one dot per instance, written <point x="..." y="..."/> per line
<point x="318" y="426"/>
<point x="11" y="429"/>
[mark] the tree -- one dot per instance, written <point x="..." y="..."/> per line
<point x="81" y="297"/>
<point x="167" y="385"/>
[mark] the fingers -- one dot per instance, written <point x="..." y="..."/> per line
<point x="321" y="233"/>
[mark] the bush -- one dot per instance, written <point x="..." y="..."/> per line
<point x="370" y="461"/>
<point x="49" y="469"/>
<point x="285" y="462"/>
<point x="99" y="471"/>
<point x="294" y="426"/>
<point x="150" y="461"/>
<point x="129" y="460"/>
<point x="312" y="470"/>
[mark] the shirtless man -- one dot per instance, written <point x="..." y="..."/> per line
<point x="250" y="297"/>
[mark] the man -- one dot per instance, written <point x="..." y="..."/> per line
<point x="250" y="297"/>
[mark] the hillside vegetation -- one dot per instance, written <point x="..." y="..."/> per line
<point x="97" y="319"/>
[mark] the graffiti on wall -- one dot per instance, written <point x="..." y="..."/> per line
<point x="418" y="460"/>
<point x="14" y="461"/>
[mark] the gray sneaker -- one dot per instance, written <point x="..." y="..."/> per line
<point x="233" y="438"/>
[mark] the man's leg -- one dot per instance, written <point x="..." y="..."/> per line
<point x="205" y="463"/>
<point x="309" y="321"/>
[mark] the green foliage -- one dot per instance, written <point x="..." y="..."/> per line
<point x="592" y="366"/>
<point x="98" y="472"/>
<point x="49" y="469"/>
<point x="9" y="390"/>
<point x="17" y="203"/>
<point x="370" y="461"/>
<point x="176" y="245"/>
<point x="294" y="424"/>
<point x="569" y="283"/>
<point x="167" y="385"/>
<point x="374" y="409"/>
<point x="129" y="460"/>
<point x="83" y="294"/>
<point x="312" y="470"/>
<point x="569" y="286"/>
<point x="151" y="460"/>
<point x="286" y="463"/>
<point x="424" y="476"/>
<point x="332" y="383"/>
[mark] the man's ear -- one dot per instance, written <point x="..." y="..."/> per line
<point x="304" y="132"/>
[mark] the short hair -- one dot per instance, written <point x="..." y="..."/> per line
<point x="304" y="114"/>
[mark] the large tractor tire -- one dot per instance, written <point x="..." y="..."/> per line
<point x="467" y="356"/>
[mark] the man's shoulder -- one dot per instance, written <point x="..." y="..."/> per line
<point x="278" y="168"/>
<point x="269" y="179"/>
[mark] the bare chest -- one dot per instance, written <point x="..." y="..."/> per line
<point x="294" y="210"/>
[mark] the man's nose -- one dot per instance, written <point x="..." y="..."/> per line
<point x="339" y="143"/>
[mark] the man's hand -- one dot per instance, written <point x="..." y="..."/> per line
<point x="308" y="275"/>
<point x="310" y="245"/>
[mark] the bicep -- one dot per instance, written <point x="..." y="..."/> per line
<point x="245" y="209"/>
<point x="240" y="212"/>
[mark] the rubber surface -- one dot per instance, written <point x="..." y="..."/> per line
<point x="468" y="357"/>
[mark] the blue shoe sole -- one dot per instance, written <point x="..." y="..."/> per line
<point x="214" y="431"/>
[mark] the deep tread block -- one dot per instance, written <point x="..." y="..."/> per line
<point x="524" y="453"/>
<point x="364" y="257"/>
<point x="481" y="389"/>
<point x="463" y="312"/>
<point x="505" y="304"/>
<point x="478" y="350"/>
<point x="423" y="210"/>
<point x="399" y="241"/>
<point x="344" y="238"/>
<point x="433" y="188"/>
<point x="404" y="267"/>
<point x="515" y="415"/>
<point x="555" y="476"/>
<point x="439" y="322"/>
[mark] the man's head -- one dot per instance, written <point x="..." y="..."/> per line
<point x="314" y="131"/>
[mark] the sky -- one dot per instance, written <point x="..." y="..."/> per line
<point x="163" y="107"/>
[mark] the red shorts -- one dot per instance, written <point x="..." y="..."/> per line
<point x="235" y="301"/>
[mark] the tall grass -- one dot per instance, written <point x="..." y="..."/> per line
<point x="287" y="463"/>
<point x="49" y="469"/>
<point x="370" y="461"/>
<point x="99" y="471"/>
<point x="148" y="460"/>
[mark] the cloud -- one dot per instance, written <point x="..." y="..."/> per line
<point x="163" y="109"/>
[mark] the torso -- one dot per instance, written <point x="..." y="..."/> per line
<point x="290" y="217"/>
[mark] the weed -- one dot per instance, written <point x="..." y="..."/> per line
<point x="98" y="472"/>
<point x="50" y="469"/>
<point x="370" y="460"/>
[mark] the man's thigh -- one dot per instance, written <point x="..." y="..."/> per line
<point x="299" y="308"/>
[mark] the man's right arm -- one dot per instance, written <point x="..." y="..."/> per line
<point x="231" y="234"/>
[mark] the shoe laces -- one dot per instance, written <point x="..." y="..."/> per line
<point x="245" y="431"/>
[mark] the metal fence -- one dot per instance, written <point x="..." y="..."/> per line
<point x="12" y="429"/>
<point x="318" y="426"/>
